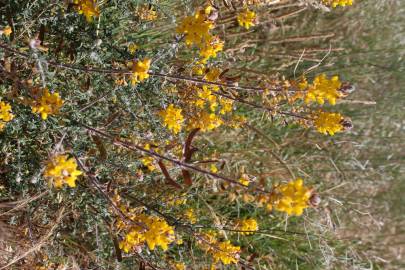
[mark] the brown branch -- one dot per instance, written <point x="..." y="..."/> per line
<point x="187" y="154"/>
<point x="151" y="73"/>
<point x="169" y="180"/>
<point x="134" y="147"/>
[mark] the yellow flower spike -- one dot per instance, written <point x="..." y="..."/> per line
<point x="172" y="118"/>
<point x="88" y="8"/>
<point x="5" y="114"/>
<point x="62" y="170"/>
<point x="140" y="71"/>
<point x="47" y="104"/>
<point x="6" y="31"/>
<point x="246" y="18"/>
<point x="328" y="123"/>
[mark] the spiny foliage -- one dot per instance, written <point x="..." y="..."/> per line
<point x="110" y="105"/>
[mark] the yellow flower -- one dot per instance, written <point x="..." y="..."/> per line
<point x="213" y="168"/>
<point x="62" y="170"/>
<point x="88" y="8"/>
<point x="148" y="162"/>
<point x="212" y="74"/>
<point x="244" y="180"/>
<point x="5" y="114"/>
<point x="220" y="251"/>
<point x="246" y="18"/>
<point x="140" y="71"/>
<point x="226" y="105"/>
<point x="226" y="253"/>
<point x="291" y="198"/>
<point x="198" y="69"/>
<point x="303" y="83"/>
<point x="155" y="233"/>
<point x="132" y="48"/>
<point x="248" y="225"/>
<point x="133" y="239"/>
<point x="172" y="118"/>
<point x="205" y="121"/>
<point x="179" y="266"/>
<point x="6" y="31"/>
<point x="335" y="3"/>
<point x="159" y="233"/>
<point x="210" y="48"/>
<point x="196" y="29"/>
<point x="328" y="123"/>
<point x="47" y="104"/>
<point x="322" y="88"/>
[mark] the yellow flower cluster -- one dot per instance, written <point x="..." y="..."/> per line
<point x="205" y="121"/>
<point x="5" y="114"/>
<point x="140" y="71"/>
<point x="196" y="29"/>
<point x="328" y="123"/>
<point x="88" y="8"/>
<point x="47" y="104"/>
<point x="323" y="89"/>
<point x="172" y="118"/>
<point x="246" y="18"/>
<point x="62" y="170"/>
<point x="335" y="3"/>
<point x="149" y="163"/>
<point x="291" y="198"/>
<point x="205" y="95"/>
<point x="226" y="253"/>
<point x="247" y="226"/>
<point x="156" y="233"/>
<point x="222" y="251"/>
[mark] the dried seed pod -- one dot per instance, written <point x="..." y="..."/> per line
<point x="347" y="124"/>
<point x="315" y="199"/>
<point x="346" y="89"/>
